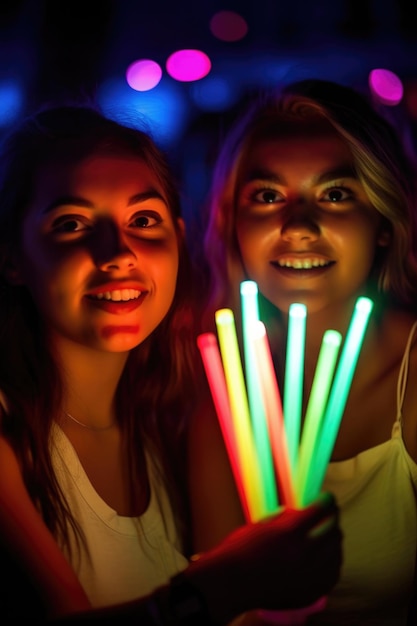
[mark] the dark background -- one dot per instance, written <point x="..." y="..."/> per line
<point x="59" y="49"/>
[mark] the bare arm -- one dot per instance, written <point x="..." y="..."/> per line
<point x="29" y="542"/>
<point x="215" y="505"/>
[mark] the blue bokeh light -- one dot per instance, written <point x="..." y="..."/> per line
<point x="214" y="93"/>
<point x="163" y="111"/>
<point x="11" y="101"/>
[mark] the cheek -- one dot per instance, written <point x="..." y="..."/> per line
<point x="51" y="279"/>
<point x="166" y="279"/>
<point x="255" y="242"/>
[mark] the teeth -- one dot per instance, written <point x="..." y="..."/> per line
<point x="118" y="295"/>
<point x="304" y="264"/>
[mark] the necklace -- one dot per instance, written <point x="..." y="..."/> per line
<point x="86" y="425"/>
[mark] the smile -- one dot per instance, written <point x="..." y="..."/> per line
<point x="118" y="295"/>
<point x="303" y="264"/>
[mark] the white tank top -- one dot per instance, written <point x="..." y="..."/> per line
<point x="376" y="492"/>
<point x="129" y="556"/>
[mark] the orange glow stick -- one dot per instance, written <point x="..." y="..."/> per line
<point x="207" y="344"/>
<point x="273" y="409"/>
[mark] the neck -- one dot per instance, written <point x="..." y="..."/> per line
<point x="90" y="379"/>
<point x="98" y="428"/>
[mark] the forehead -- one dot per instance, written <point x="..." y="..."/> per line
<point x="95" y="173"/>
<point x="311" y="145"/>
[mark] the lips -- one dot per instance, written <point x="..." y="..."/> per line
<point x="305" y="263"/>
<point x="117" y="306"/>
<point x="117" y="295"/>
<point x="117" y="298"/>
<point x="302" y="267"/>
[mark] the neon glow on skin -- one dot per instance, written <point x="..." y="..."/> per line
<point x="250" y="318"/>
<point x="111" y="330"/>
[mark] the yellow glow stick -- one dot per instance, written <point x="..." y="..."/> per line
<point x="250" y="317"/>
<point x="248" y="460"/>
<point x="273" y="408"/>
<point x="294" y="378"/>
<point x="319" y="393"/>
<point x="207" y="344"/>
<point x="337" y="400"/>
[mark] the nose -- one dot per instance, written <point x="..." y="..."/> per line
<point x="299" y="224"/>
<point x="122" y="260"/>
<point x="113" y="252"/>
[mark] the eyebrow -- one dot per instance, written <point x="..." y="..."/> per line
<point x="79" y="201"/>
<point x="343" y="171"/>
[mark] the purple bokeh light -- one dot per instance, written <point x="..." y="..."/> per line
<point x="228" y="26"/>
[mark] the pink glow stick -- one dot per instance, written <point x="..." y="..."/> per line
<point x="207" y="344"/>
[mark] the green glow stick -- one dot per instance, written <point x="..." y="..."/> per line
<point x="337" y="400"/>
<point x="294" y="378"/>
<point x="319" y="393"/>
<point x="235" y="382"/>
<point x="250" y="317"/>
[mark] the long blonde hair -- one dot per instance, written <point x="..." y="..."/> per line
<point x="381" y="161"/>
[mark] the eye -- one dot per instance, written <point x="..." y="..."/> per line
<point x="146" y="220"/>
<point x="337" y="194"/>
<point x="266" y="196"/>
<point x="69" y="224"/>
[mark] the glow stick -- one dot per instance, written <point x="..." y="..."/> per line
<point x="337" y="400"/>
<point x="319" y="393"/>
<point x="273" y="407"/>
<point x="207" y="344"/>
<point x="250" y="317"/>
<point x="248" y="460"/>
<point x="294" y="378"/>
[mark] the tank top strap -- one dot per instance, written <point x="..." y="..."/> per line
<point x="403" y="373"/>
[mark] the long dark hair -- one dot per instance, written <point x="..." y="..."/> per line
<point x="150" y="397"/>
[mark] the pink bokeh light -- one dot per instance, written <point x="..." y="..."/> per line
<point x="188" y="65"/>
<point x="143" y="75"/>
<point x="386" y="86"/>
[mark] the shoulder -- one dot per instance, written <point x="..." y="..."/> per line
<point x="399" y="330"/>
<point x="404" y="333"/>
<point x="10" y="470"/>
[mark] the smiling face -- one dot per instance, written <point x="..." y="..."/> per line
<point x="99" y="251"/>
<point x="306" y="229"/>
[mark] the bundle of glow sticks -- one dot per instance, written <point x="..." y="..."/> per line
<point x="262" y="434"/>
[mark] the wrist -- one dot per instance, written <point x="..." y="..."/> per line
<point x="214" y="578"/>
<point x="180" y="603"/>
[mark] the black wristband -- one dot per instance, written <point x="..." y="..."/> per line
<point x="179" y="604"/>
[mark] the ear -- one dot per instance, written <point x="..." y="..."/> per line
<point x="181" y="226"/>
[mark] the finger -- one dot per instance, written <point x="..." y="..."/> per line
<point x="320" y="515"/>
